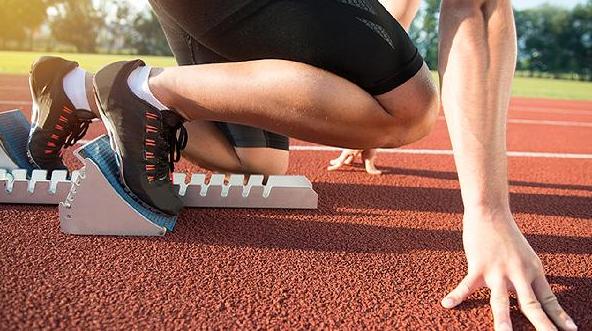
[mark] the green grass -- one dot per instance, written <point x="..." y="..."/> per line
<point x="19" y="63"/>
<point x="552" y="88"/>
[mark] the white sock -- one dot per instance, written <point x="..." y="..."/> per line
<point x="75" y="88"/>
<point x="138" y="84"/>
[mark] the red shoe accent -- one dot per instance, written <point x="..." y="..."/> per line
<point x="151" y="116"/>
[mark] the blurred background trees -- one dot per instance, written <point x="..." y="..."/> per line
<point x="552" y="41"/>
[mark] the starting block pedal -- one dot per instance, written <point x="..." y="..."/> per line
<point x="20" y="183"/>
<point x="98" y="204"/>
<point x="14" y="134"/>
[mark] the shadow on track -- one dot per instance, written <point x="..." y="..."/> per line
<point x="448" y="175"/>
<point x="374" y="197"/>
<point x="313" y="232"/>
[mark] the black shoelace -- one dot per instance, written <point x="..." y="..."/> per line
<point x="176" y="144"/>
<point x="79" y="130"/>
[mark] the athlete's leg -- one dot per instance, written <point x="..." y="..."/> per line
<point x="213" y="146"/>
<point x="303" y="101"/>
<point x="403" y="11"/>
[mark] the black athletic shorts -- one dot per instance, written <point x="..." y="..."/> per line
<point x="354" y="39"/>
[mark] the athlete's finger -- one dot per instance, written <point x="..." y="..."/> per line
<point x="531" y="307"/>
<point x="371" y="168"/>
<point x="500" y="306"/>
<point x="550" y="304"/>
<point x="463" y="290"/>
<point x="339" y="160"/>
<point x="349" y="159"/>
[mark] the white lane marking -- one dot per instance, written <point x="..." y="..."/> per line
<point x="315" y="148"/>
<point x="448" y="152"/>
<point x="543" y="122"/>
<point x="552" y="123"/>
<point x="11" y="88"/>
<point x="561" y="111"/>
<point x="15" y="103"/>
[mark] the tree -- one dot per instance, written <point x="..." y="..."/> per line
<point x="424" y="32"/>
<point x="77" y="23"/>
<point x="148" y="37"/>
<point x="580" y="39"/>
<point x="20" y="19"/>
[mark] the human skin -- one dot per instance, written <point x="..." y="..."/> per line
<point x="477" y="58"/>
<point x="404" y="11"/>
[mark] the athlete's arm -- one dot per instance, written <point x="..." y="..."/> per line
<point x="476" y="62"/>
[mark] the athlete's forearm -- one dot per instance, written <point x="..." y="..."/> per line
<point x="477" y="60"/>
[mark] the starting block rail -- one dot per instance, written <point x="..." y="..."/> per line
<point x="16" y="188"/>
<point x="94" y="202"/>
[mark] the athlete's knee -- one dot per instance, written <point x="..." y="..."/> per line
<point x="414" y="118"/>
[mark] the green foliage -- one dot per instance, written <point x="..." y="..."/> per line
<point x="148" y="37"/>
<point x="20" y="19"/>
<point x="77" y="23"/>
<point x="551" y="39"/>
<point x="424" y="31"/>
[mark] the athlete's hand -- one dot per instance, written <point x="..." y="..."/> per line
<point x="348" y="156"/>
<point x="500" y="258"/>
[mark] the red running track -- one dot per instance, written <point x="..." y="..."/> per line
<point x="380" y="252"/>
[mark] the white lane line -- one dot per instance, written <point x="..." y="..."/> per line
<point x="11" y="88"/>
<point x="315" y="148"/>
<point x="551" y="123"/>
<point x="550" y="110"/>
<point x="448" y="152"/>
<point x="16" y="103"/>
<point x="543" y="122"/>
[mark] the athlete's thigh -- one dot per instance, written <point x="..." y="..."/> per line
<point x="355" y="39"/>
<point x="189" y="51"/>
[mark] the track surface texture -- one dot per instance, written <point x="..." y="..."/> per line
<point x="380" y="252"/>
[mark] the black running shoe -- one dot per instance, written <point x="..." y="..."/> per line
<point x="56" y="123"/>
<point x="143" y="137"/>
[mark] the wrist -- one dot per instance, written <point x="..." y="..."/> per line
<point x="489" y="210"/>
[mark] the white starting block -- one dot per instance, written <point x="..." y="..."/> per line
<point x="17" y="188"/>
<point x="94" y="202"/>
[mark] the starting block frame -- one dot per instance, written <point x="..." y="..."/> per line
<point x="94" y="202"/>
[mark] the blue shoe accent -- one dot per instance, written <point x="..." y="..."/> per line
<point x="14" y="134"/>
<point x="100" y="152"/>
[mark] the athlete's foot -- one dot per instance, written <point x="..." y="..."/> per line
<point x="143" y="137"/>
<point x="56" y="123"/>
